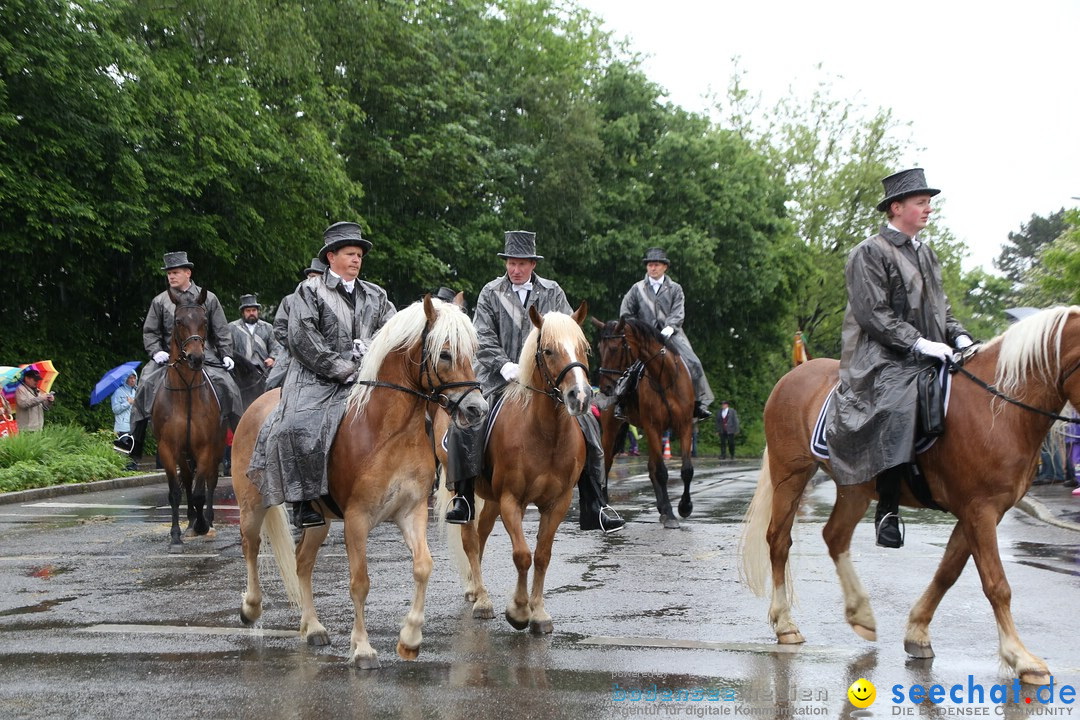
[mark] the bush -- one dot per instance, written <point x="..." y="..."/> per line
<point x="56" y="455"/>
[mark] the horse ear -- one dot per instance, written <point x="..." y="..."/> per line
<point x="620" y="326"/>
<point x="429" y="309"/>
<point x="581" y="313"/>
<point x="202" y="297"/>
<point x="598" y="324"/>
<point x="459" y="299"/>
<point x="174" y="297"/>
<point x="536" y="318"/>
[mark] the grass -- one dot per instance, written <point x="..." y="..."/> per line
<point x="57" y="455"/>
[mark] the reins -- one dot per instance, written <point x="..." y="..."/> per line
<point x="553" y="383"/>
<point x="955" y="367"/>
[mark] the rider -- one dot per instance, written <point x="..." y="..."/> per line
<point x="281" y="327"/>
<point x="157" y="332"/>
<point x="659" y="301"/>
<point x="332" y="319"/>
<point x="502" y="324"/>
<point x="253" y="338"/>
<point x="897" y="323"/>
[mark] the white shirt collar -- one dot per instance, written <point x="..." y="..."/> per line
<point x="914" y="242"/>
<point x="349" y="284"/>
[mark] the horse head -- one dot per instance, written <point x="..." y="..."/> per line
<point x="190" y="328"/>
<point x="614" y="351"/>
<point x="558" y="352"/>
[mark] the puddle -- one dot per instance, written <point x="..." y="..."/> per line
<point x="44" y="606"/>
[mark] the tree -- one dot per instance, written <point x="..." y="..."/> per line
<point x="1054" y="276"/>
<point x="1021" y="253"/>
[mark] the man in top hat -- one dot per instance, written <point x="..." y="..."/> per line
<point x="897" y="323"/>
<point x="157" y="334"/>
<point x="502" y="324"/>
<point x="332" y="318"/>
<point x="31" y="403"/>
<point x="281" y="327"/>
<point x="254" y="338"/>
<point x="659" y="301"/>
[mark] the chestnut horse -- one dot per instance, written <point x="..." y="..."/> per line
<point x="187" y="423"/>
<point x="535" y="454"/>
<point x="665" y="399"/>
<point x="381" y="466"/>
<point x="977" y="470"/>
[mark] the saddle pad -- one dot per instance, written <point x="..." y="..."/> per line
<point x="819" y="446"/>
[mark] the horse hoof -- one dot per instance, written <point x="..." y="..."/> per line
<point x="918" y="650"/>
<point x="868" y="634"/>
<point x="669" y="522"/>
<point x="685" y="509"/>
<point x="319" y="639"/>
<point x="793" y="637"/>
<point x="210" y="534"/>
<point x="541" y="627"/>
<point x="176" y="548"/>
<point x="366" y="662"/>
<point x="484" y="613"/>
<point x="1035" y="677"/>
<point x="516" y="624"/>
<point x="249" y="620"/>
<point x="189" y="533"/>
<point x="406" y="653"/>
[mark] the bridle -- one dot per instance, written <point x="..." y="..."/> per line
<point x="552" y="389"/>
<point x="958" y="367"/>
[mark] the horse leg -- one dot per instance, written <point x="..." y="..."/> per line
<point x="658" y="476"/>
<point x="361" y="654"/>
<point x="917" y="636"/>
<point x="850" y="507"/>
<point x="197" y="502"/>
<point x="517" y="609"/>
<point x="252" y="513"/>
<point x="980" y="528"/>
<point x="474" y="541"/>
<point x="194" y="494"/>
<point x="414" y="531"/>
<point x="307" y="550"/>
<point x="686" y="441"/>
<point x="540" y="622"/>
<point x="208" y="513"/>
<point x="176" y="544"/>
<point x="787" y="491"/>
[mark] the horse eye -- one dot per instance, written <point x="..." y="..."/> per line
<point x="547" y="351"/>
<point x="444" y="356"/>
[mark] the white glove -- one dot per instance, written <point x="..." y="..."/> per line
<point x="228" y="362"/>
<point x="360" y="348"/>
<point x="161" y="357"/>
<point x="929" y="348"/>
<point x="510" y="371"/>
<point x="963" y="341"/>
<point x="668" y="331"/>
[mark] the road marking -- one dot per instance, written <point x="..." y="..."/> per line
<point x="182" y="555"/>
<point x="675" y="643"/>
<point x="87" y="505"/>
<point x="187" y="630"/>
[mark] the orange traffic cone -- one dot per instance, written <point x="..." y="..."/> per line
<point x="667" y="448"/>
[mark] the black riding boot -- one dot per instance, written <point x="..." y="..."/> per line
<point x="463" y="503"/>
<point x="701" y="412"/>
<point x="887" y="518"/>
<point x="306" y="515"/>
<point x="464" y="462"/>
<point x="592" y="488"/>
<point x="138" y="439"/>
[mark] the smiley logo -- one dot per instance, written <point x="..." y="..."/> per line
<point x="862" y="693"/>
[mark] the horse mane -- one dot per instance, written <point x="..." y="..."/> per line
<point x="1030" y="347"/>
<point x="648" y="330"/>
<point x="452" y="329"/>
<point x="558" y="328"/>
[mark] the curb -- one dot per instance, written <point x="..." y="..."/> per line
<point x="1040" y="511"/>
<point x="80" y="488"/>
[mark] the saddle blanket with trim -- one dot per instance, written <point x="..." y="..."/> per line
<point x="818" y="439"/>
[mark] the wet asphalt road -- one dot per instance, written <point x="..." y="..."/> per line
<point x="98" y="620"/>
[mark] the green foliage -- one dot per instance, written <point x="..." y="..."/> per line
<point x="1055" y="278"/>
<point x="1019" y="256"/>
<point x="56" y="455"/>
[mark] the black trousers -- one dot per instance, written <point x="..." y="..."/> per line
<point x="727" y="444"/>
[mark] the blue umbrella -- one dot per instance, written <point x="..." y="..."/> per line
<point x="112" y="380"/>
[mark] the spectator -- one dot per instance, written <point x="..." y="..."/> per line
<point x="727" y="425"/>
<point x="31" y="402"/>
<point x="122" y="400"/>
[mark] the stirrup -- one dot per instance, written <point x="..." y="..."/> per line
<point x="889" y="542"/>
<point x="459" y="505"/>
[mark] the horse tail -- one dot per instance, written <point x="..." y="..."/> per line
<point x="458" y="559"/>
<point x="275" y="530"/>
<point x="753" y="544"/>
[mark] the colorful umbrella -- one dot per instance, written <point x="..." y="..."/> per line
<point x="112" y="380"/>
<point x="9" y="381"/>
<point x="48" y="374"/>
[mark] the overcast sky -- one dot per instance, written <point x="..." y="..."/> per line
<point x="992" y="90"/>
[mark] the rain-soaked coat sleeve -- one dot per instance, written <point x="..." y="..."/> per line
<point x="306" y="342"/>
<point x="490" y="353"/>
<point x="868" y="284"/>
<point x="153" y="332"/>
<point x="220" y="334"/>
<point x="677" y="314"/>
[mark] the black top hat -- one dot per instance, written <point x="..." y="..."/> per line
<point x="342" y="234"/>
<point x="316" y="266"/>
<point x="520" y="244"/>
<point x="247" y="301"/>
<point x="656" y="255"/>
<point x="904" y="183"/>
<point x="445" y="294"/>
<point x="175" y="260"/>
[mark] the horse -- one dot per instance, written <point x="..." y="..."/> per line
<point x="1003" y="401"/>
<point x="187" y="423"/>
<point x="534" y="455"/>
<point x="664" y="399"/>
<point x="381" y="467"/>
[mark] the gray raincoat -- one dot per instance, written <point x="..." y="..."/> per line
<point x="895" y="297"/>
<point x="288" y="463"/>
<point x="282" y="358"/>
<point x="256" y="346"/>
<point x="157" y="334"/>
<point x="502" y="324"/>
<point x="661" y="309"/>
